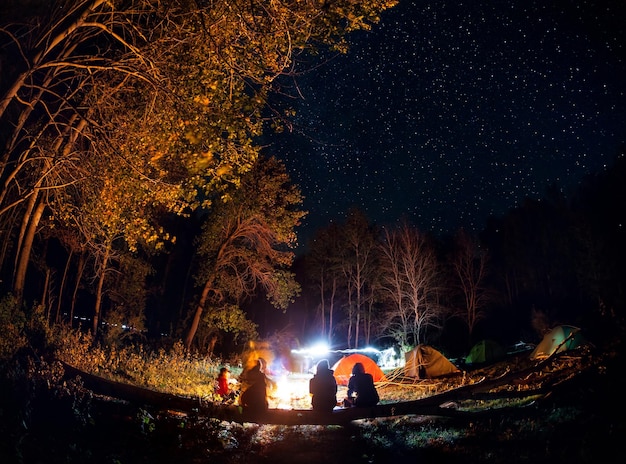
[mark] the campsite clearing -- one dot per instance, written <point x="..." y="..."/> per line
<point x="510" y="383"/>
<point x="578" y="421"/>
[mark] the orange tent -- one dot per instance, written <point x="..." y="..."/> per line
<point x="343" y="368"/>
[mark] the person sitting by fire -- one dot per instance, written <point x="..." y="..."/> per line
<point x="361" y="389"/>
<point x="323" y="388"/>
<point x="224" y="390"/>
<point x="254" y="397"/>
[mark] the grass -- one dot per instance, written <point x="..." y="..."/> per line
<point x="170" y="370"/>
<point x="44" y="419"/>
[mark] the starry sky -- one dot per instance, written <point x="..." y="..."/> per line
<point x="449" y="112"/>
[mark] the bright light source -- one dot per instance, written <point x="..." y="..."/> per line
<point x="291" y="391"/>
<point x="369" y="349"/>
<point x="319" y="349"/>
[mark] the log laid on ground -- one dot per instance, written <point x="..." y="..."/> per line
<point x="438" y="404"/>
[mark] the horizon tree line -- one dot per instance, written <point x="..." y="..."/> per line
<point x="549" y="261"/>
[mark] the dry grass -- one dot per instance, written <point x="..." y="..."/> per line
<point x="171" y="371"/>
<point x="176" y="372"/>
<point x="569" y="428"/>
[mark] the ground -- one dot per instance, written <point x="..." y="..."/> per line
<point x="579" y="421"/>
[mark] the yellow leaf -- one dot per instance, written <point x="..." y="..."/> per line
<point x="223" y="170"/>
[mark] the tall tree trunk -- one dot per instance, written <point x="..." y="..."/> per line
<point x="349" y="333"/>
<point x="7" y="226"/>
<point x="50" y="45"/>
<point x="44" y="296"/>
<point x="80" y="268"/>
<point x="195" y="323"/>
<point x="99" y="289"/>
<point x="331" y="311"/>
<point x="24" y="252"/>
<point x="368" y="322"/>
<point x="322" y="305"/>
<point x="357" y="326"/>
<point x="26" y="219"/>
<point x="211" y="345"/>
<point x="57" y="317"/>
<point x="32" y="216"/>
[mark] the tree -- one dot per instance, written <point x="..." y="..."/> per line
<point x="410" y="284"/>
<point x="125" y="319"/>
<point x="172" y="91"/>
<point x="246" y="243"/>
<point x="113" y="216"/>
<point x="49" y="99"/>
<point x="469" y="264"/>
<point x="324" y="273"/>
<point x="534" y="251"/>
<point x="358" y="266"/>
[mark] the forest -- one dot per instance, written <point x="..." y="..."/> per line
<point x="137" y="204"/>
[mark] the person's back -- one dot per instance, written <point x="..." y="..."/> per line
<point x="254" y="398"/>
<point x="362" y="385"/>
<point x="323" y="387"/>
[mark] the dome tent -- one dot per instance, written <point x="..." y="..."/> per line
<point x="559" y="339"/>
<point x="343" y="368"/>
<point x="484" y="352"/>
<point x="425" y="362"/>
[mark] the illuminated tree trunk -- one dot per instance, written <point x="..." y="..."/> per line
<point x="7" y="224"/>
<point x="50" y="45"/>
<point x="99" y="290"/>
<point x="195" y="323"/>
<point x="212" y="343"/>
<point x="24" y="251"/>
<point x="322" y="306"/>
<point x="57" y="317"/>
<point x="44" y="294"/>
<point x="331" y="311"/>
<point x="82" y="261"/>
<point x="358" y="238"/>
<point x="35" y="208"/>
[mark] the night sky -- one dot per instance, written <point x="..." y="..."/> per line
<point x="448" y="112"/>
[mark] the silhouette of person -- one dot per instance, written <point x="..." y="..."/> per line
<point x="323" y="387"/>
<point x="254" y="397"/>
<point x="361" y="389"/>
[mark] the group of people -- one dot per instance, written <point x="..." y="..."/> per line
<point x="322" y="387"/>
<point x="254" y="396"/>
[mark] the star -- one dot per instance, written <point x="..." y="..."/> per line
<point x="448" y="113"/>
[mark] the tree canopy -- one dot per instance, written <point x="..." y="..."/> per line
<point x="116" y="114"/>
<point x="247" y="243"/>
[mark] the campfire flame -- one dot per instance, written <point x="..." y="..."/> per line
<point x="286" y="390"/>
<point x="291" y="392"/>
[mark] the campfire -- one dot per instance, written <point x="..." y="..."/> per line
<point x="290" y="391"/>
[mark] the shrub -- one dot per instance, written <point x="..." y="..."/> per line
<point x="12" y="323"/>
<point x="172" y="371"/>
